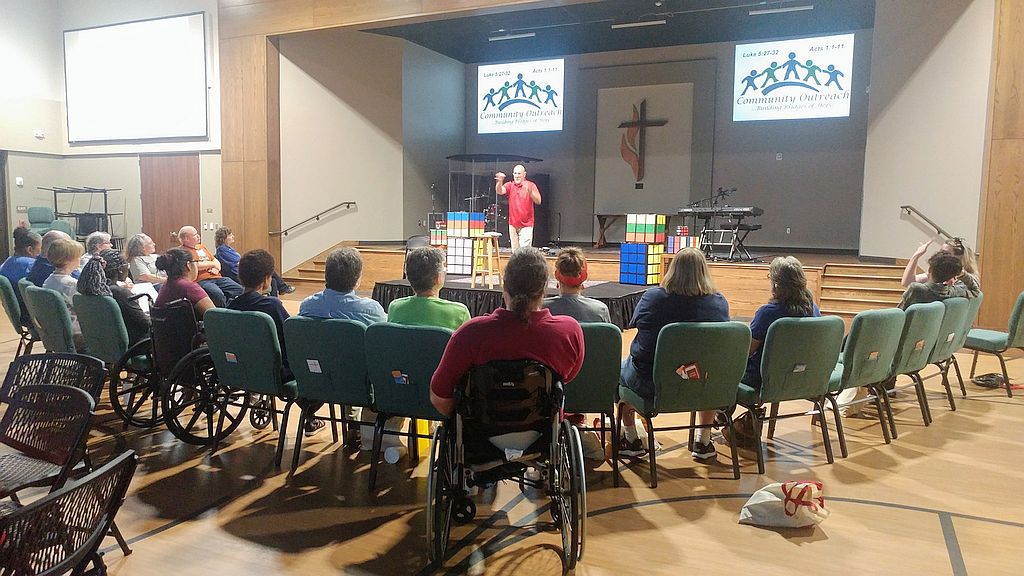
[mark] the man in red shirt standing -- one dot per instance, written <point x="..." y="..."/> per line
<point x="522" y="195"/>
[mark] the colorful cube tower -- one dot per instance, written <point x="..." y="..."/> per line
<point x="466" y="224"/>
<point x="646" y="228"/>
<point x="677" y="243"/>
<point x="439" y="237"/>
<point x="640" y="263"/>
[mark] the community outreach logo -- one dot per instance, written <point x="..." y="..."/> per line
<point x="520" y="97"/>
<point x="806" y="78"/>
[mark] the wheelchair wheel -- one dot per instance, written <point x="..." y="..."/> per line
<point x="135" y="385"/>
<point x="569" y="493"/>
<point x="440" y="496"/>
<point x="198" y="409"/>
<point x="260" y="413"/>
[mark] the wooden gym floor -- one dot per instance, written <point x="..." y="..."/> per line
<point x="939" y="500"/>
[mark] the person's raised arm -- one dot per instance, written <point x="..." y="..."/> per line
<point x="910" y="272"/>
<point x="499" y="183"/>
<point x="535" y="194"/>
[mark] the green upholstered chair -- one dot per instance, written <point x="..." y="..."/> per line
<point x="247" y="356"/>
<point x="13" y="307"/>
<point x="973" y="307"/>
<point x="329" y="363"/>
<point x="996" y="342"/>
<point x="953" y="322"/>
<point x="595" y="387"/>
<point x="40" y="219"/>
<point x="920" y="333"/>
<point x="103" y="327"/>
<point x="866" y="361"/>
<point x="797" y="361"/>
<point x="52" y="319"/>
<point x="719" y="350"/>
<point x="400" y="361"/>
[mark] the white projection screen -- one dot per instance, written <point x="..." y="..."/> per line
<point x="520" y="97"/>
<point x="140" y="80"/>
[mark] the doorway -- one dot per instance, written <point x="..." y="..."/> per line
<point x="170" y="196"/>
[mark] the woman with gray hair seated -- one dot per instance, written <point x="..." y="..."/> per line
<point x="141" y="253"/>
<point x="94" y="243"/>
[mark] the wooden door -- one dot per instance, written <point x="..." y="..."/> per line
<point x="170" y="196"/>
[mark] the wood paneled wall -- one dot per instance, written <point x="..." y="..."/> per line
<point x="1002" y="212"/>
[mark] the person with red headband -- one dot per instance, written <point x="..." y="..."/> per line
<point x="571" y="273"/>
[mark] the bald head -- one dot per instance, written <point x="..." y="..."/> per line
<point x="519" y="173"/>
<point x="51" y="237"/>
<point x="188" y="236"/>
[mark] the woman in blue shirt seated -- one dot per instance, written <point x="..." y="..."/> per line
<point x="790" y="298"/>
<point x="27" y="245"/>
<point x="224" y="239"/>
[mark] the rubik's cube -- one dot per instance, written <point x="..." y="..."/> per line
<point x="459" y="259"/>
<point x="677" y="243"/>
<point x="640" y="263"/>
<point x="465" y="224"/>
<point x="439" y="237"/>
<point x="646" y="228"/>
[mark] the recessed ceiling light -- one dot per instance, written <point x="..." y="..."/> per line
<point x="511" y="36"/>
<point x="638" y="24"/>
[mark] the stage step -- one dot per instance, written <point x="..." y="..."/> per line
<point x="860" y="292"/>
<point x="856" y="304"/>
<point x="877" y="270"/>
<point x="852" y="280"/>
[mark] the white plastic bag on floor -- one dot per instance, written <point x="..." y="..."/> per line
<point x="794" y="504"/>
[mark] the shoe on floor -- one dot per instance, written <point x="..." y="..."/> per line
<point x="631" y="449"/>
<point x="703" y="451"/>
<point x="286" y="289"/>
<point x="313" y="425"/>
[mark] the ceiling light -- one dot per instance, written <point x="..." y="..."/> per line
<point x="780" y="10"/>
<point x="512" y="36"/>
<point x="638" y="24"/>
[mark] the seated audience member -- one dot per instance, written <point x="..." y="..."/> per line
<point x="969" y="277"/>
<point x="254" y="272"/>
<point x="27" y="245"/>
<point x="63" y="254"/>
<point x="228" y="258"/>
<point x="571" y="273"/>
<point x="338" y="299"/>
<point x="181" y="273"/>
<point x="220" y="289"/>
<point x="520" y="330"/>
<point x="425" y="270"/>
<point x="42" y="268"/>
<point x="141" y="253"/>
<point x="104" y="275"/>
<point x="790" y="298"/>
<point x="686" y="294"/>
<point x="944" y="269"/>
<point x="94" y="243"/>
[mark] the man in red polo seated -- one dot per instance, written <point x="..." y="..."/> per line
<point x="522" y="195"/>
<point x="221" y="290"/>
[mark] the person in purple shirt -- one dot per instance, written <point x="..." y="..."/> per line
<point x="686" y="294"/>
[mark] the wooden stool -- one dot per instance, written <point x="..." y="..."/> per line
<point x="486" y="259"/>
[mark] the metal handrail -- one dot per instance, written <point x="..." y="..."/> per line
<point x="311" y="218"/>
<point x="911" y="210"/>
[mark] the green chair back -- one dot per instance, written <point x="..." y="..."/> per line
<point x="870" y="348"/>
<point x="39" y="219"/>
<point x="973" y="307"/>
<point x="594" y="388"/>
<point x="245" y="350"/>
<point x="329" y="360"/>
<point x="51" y="317"/>
<point x="719" y="352"/>
<point x="920" y="333"/>
<point x="62" y="226"/>
<point x="400" y="361"/>
<point x="1016" y="328"/>
<point x="102" y="326"/>
<point x="12" y="306"/>
<point x="799" y="356"/>
<point x="953" y="322"/>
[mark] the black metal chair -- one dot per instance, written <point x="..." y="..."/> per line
<point x="62" y="531"/>
<point x="414" y="242"/>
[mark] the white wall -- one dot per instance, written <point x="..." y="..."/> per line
<point x="928" y="115"/>
<point x="341" y="139"/>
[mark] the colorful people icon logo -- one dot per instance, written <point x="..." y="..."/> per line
<point x="833" y="76"/>
<point x="525" y="92"/>
<point x="551" y="96"/>
<point x="751" y="82"/>
<point x="520" y="86"/>
<point x="792" y="69"/>
<point x="811" y="69"/>
<point x="489" y="99"/>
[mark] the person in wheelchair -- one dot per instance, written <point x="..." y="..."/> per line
<point x="522" y="330"/>
<point x="181" y="281"/>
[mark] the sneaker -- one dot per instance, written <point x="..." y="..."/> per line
<point x="286" y="289"/>
<point x="703" y="451"/>
<point x="313" y="425"/>
<point x="631" y="448"/>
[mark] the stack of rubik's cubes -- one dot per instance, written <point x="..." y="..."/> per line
<point x="640" y="255"/>
<point x="677" y="243"/>
<point x="463" y="232"/>
<point x="438" y="229"/>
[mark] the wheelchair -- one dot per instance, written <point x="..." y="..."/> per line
<point x="508" y="414"/>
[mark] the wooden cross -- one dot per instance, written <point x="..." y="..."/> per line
<point x="642" y="123"/>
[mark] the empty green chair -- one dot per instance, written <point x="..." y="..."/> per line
<point x="594" y="389"/>
<point x="400" y="361"/>
<point x="920" y="333"/>
<point x="953" y="322"/>
<point x="719" y="352"/>
<point x="996" y="342"/>
<point x="329" y="362"/>
<point x="40" y="219"/>
<point x="796" y="364"/>
<point x="52" y="319"/>
<point x="973" y="307"/>
<point x="19" y="318"/>
<point x="247" y="355"/>
<point x="866" y="361"/>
